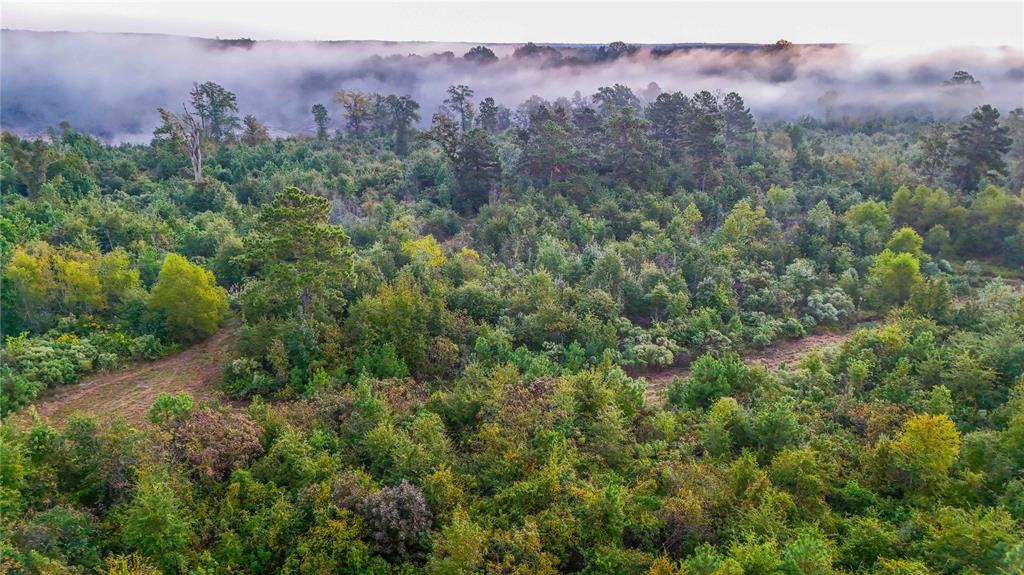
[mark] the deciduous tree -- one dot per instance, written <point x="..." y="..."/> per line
<point x="188" y="298"/>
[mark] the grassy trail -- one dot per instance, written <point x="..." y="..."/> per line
<point x="129" y="392"/>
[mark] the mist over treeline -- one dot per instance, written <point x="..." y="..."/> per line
<point x="111" y="85"/>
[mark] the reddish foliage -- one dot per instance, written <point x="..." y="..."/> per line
<point x="214" y="443"/>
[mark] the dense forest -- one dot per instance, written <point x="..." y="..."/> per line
<point x="442" y="339"/>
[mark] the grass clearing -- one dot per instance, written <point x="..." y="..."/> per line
<point x="130" y="392"/>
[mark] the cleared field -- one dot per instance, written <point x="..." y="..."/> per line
<point x="130" y="392"/>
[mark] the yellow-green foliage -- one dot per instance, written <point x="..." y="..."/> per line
<point x="892" y="278"/>
<point x="188" y="298"/>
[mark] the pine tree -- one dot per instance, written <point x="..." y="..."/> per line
<point x="302" y="260"/>
<point x="321" y="118"/>
<point x="979" y="145"/>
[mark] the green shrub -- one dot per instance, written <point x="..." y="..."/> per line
<point x="710" y="378"/>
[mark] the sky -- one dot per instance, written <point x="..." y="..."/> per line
<point x="906" y="26"/>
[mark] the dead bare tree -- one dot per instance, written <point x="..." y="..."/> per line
<point x="187" y="131"/>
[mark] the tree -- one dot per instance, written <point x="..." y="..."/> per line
<point x="301" y="260"/>
<point x="168" y="411"/>
<point x="549" y="153"/>
<point x="871" y="215"/>
<point x="29" y="278"/>
<point x="477" y="171"/>
<point x="1015" y="127"/>
<point x="445" y="131"/>
<point x="493" y="118"/>
<point x="978" y="540"/>
<point x="750" y="231"/>
<point x="961" y="78"/>
<point x="254" y="133"/>
<point x="480" y="55"/>
<point x="474" y="159"/>
<point x="978" y="146"/>
<point x="321" y="119"/>
<point x="704" y="136"/>
<point x="184" y="131"/>
<point x="905" y="241"/>
<point x="892" y="278"/>
<point x="214" y="443"/>
<point x="133" y="564"/>
<point x="668" y="115"/>
<point x="189" y="299"/>
<point x="611" y="99"/>
<point x="626" y="148"/>
<point x="737" y="121"/>
<point x="155" y="523"/>
<point x="459" y="549"/>
<point x="216" y="108"/>
<point x="398" y="520"/>
<point x="808" y="554"/>
<point x="30" y="162"/>
<point x="78" y="285"/>
<point x="530" y="50"/>
<point x="459" y="104"/>
<point x="927" y="447"/>
<point x="710" y="379"/>
<point x="358" y="111"/>
<point x="931" y="299"/>
<point x="403" y="113"/>
<point x="399" y="315"/>
<point x="933" y="161"/>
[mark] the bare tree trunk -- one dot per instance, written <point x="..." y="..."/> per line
<point x="196" y="152"/>
<point x="192" y="132"/>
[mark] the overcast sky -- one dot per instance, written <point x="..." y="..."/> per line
<point x="906" y="25"/>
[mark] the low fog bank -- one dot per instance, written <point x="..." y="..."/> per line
<point x="110" y="85"/>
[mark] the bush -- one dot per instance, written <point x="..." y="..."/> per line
<point x="170" y="410"/>
<point x="243" y="378"/>
<point x="710" y="378"/>
<point x="16" y="389"/>
<point x="892" y="278"/>
<point x="398" y="519"/>
<point x="830" y="306"/>
<point x="215" y="443"/>
<point x="381" y="363"/>
<point x="156" y="523"/>
<point x="146" y="347"/>
<point x="60" y="533"/>
<point x="31" y="365"/>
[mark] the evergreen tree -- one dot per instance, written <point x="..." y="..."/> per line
<point x="254" y="132"/>
<point x="321" y="119"/>
<point x="978" y="146"/>
<point x="738" y="123"/>
<point x="668" y="115"/>
<point x="704" y="137"/>
<point x="459" y="104"/>
<point x="302" y="261"/>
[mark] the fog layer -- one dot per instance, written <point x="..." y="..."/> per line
<point x="110" y="85"/>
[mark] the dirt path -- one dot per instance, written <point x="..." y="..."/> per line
<point x="131" y="391"/>
<point x="785" y="352"/>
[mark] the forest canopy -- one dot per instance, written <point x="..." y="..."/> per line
<point x="448" y="324"/>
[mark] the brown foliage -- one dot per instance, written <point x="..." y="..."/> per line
<point x="214" y="443"/>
